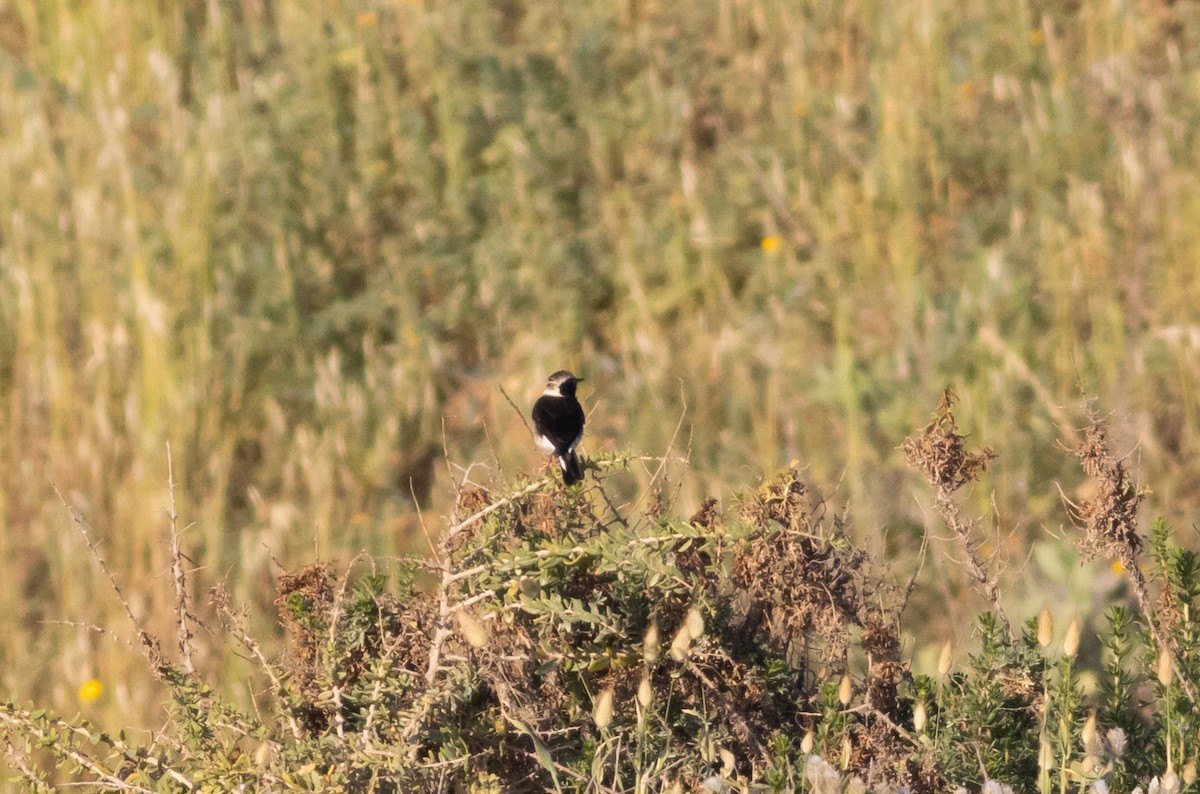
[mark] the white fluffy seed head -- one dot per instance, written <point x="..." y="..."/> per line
<point x="695" y="623"/>
<point x="472" y="630"/>
<point x="650" y="643"/>
<point x="603" y="712"/>
<point x="1166" y="669"/>
<point x="1071" y="640"/>
<point x="681" y="643"/>
<point x="1090" y="736"/>
<point x="1046" y="755"/>
<point x="1045" y="627"/>
<point x="944" y="658"/>
<point x="645" y="692"/>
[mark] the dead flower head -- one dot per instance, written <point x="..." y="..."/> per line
<point x="1109" y="519"/>
<point x="938" y="451"/>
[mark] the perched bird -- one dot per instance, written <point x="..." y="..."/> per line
<point x="558" y="423"/>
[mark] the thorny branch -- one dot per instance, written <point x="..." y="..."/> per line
<point x="148" y="643"/>
<point x="449" y="576"/>
<point x="1109" y="525"/>
<point x="938" y="452"/>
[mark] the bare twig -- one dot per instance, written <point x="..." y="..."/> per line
<point x="449" y="576"/>
<point x="899" y="730"/>
<point x="103" y="632"/>
<point x="485" y="512"/>
<point x="182" y="612"/>
<point x="17" y="759"/>
<point x="977" y="572"/>
<point x="335" y="618"/>
<point x="912" y="581"/>
<point x="662" y="465"/>
<point x="938" y="453"/>
<point x="148" y="643"/>
<point x="520" y="414"/>
<point x="421" y="518"/>
<point x="741" y="728"/>
<point x="233" y="624"/>
<point x="450" y="471"/>
<point x="23" y="722"/>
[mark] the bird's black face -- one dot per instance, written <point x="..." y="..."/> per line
<point x="567" y="387"/>
<point x="563" y="383"/>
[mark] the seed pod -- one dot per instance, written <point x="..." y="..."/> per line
<point x="695" y="623"/>
<point x="806" y="744"/>
<point x="1046" y="755"/>
<point x="645" y="693"/>
<point x="919" y="716"/>
<point x="1166" y="668"/>
<point x="681" y="643"/>
<point x="1045" y="629"/>
<point x="1115" y="740"/>
<point x="944" y="659"/>
<point x="650" y="643"/>
<point x="1071" y="640"/>
<point x="1090" y="736"/>
<point x="474" y="631"/>
<point x="603" y="712"/>
<point x="845" y="690"/>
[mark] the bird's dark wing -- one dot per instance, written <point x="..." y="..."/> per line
<point x="559" y="419"/>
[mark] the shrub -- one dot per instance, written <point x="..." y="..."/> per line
<point x="554" y="640"/>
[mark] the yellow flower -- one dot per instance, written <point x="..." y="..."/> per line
<point x="770" y="244"/>
<point x="368" y="19"/>
<point x="1037" y="37"/>
<point x="1117" y="567"/>
<point x="90" y="690"/>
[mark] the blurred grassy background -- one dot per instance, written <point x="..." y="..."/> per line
<point x="304" y="242"/>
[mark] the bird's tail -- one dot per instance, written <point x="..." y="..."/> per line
<point x="572" y="467"/>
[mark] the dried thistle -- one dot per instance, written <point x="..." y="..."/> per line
<point x="1109" y="519"/>
<point x="938" y="451"/>
<point x="939" y="454"/>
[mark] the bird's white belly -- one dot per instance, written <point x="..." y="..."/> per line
<point x="544" y="444"/>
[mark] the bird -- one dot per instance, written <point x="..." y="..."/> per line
<point x="558" y="423"/>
